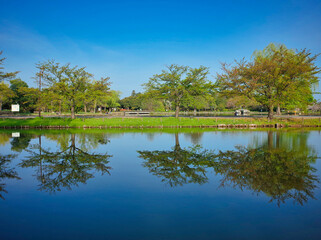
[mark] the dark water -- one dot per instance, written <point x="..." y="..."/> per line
<point x="160" y="185"/>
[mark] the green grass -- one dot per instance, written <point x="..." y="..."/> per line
<point x="152" y="122"/>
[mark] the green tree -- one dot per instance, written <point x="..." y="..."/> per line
<point x="151" y="103"/>
<point x="6" y="94"/>
<point x="276" y="75"/>
<point x="200" y="91"/>
<point x="25" y="97"/>
<point x="178" y="82"/>
<point x="17" y="83"/>
<point x="5" y="75"/>
<point x="112" y="100"/>
<point x="30" y="98"/>
<point x="132" y="102"/>
<point x="100" y="92"/>
<point x="70" y="81"/>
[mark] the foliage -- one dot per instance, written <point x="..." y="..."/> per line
<point x="276" y="76"/>
<point x="6" y="94"/>
<point x="71" y="82"/>
<point x="112" y="100"/>
<point x="132" y="102"/>
<point x="179" y="82"/>
<point x="29" y="98"/>
<point x="5" y="75"/>
<point x="98" y="92"/>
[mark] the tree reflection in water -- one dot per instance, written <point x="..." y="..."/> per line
<point x="6" y="172"/>
<point x="67" y="167"/>
<point x="279" y="173"/>
<point x="178" y="166"/>
<point x="277" y="168"/>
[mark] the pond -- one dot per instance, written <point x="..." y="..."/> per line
<point x="170" y="184"/>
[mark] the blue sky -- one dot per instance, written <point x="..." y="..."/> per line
<point x="130" y="41"/>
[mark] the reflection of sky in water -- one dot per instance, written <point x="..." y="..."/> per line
<point x="132" y="203"/>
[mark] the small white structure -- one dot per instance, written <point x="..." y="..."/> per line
<point x="15" y="108"/>
<point x="15" y="134"/>
<point x="242" y="112"/>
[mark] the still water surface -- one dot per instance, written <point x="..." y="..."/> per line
<point x="160" y="185"/>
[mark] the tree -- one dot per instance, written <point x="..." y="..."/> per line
<point x="29" y="98"/>
<point x="179" y="82"/>
<point x="276" y="75"/>
<point x="200" y="89"/>
<point x="99" y="92"/>
<point x="240" y="102"/>
<point x="19" y="88"/>
<point x="151" y="104"/>
<point x="5" y="94"/>
<point x="71" y="82"/>
<point x="195" y="103"/>
<point x="133" y="102"/>
<point x="3" y="75"/>
<point x="112" y="100"/>
<point x="15" y="84"/>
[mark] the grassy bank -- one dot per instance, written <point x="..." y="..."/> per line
<point x="155" y="122"/>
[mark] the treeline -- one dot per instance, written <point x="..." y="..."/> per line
<point x="213" y="102"/>
<point x="276" y="78"/>
<point x="61" y="88"/>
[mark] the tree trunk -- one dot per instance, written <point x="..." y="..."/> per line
<point x="73" y="144"/>
<point x="52" y="108"/>
<point x="270" y="139"/>
<point x="73" y="110"/>
<point x="270" y="115"/>
<point x="0" y="105"/>
<point x="177" y="146"/>
<point x="95" y="105"/>
<point x="278" y="110"/>
<point x="85" y="108"/>
<point x="177" y="111"/>
<point x="60" y="107"/>
<point x="278" y="139"/>
<point x="40" y="165"/>
<point x="194" y="111"/>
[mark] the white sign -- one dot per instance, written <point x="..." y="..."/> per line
<point x="16" y="134"/>
<point x="15" y="108"/>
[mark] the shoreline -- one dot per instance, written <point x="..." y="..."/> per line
<point x="161" y="122"/>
